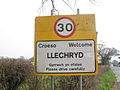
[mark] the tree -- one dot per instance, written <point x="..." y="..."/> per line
<point x="13" y="73"/>
<point x="69" y="3"/>
<point x="105" y="53"/>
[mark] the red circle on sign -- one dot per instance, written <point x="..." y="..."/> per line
<point x="71" y="22"/>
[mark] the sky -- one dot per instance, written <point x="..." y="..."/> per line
<point x="17" y="22"/>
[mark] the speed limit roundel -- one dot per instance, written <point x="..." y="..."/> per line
<point x="64" y="27"/>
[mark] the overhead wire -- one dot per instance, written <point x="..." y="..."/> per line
<point x="43" y="1"/>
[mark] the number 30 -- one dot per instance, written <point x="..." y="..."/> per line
<point x="62" y="27"/>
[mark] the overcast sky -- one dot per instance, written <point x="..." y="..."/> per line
<point x="17" y="22"/>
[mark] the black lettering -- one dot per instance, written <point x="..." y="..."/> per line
<point x="81" y="54"/>
<point x="61" y="27"/>
<point x="48" y="55"/>
<point x="40" y="45"/>
<point x="80" y="44"/>
<point x="63" y="69"/>
<point x="71" y="55"/>
<point x="72" y="45"/>
<point x="51" y="69"/>
<point x="66" y="55"/>
<point x="69" y="27"/>
<point x="56" y="55"/>
<point x="46" y="45"/>
<point x="60" y="55"/>
<point x="75" y="54"/>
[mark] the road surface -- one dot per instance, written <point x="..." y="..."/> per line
<point x="116" y="71"/>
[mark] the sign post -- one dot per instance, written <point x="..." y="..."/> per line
<point x="52" y="77"/>
<point x="65" y="45"/>
<point x="80" y="78"/>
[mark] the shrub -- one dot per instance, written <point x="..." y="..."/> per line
<point x="13" y="73"/>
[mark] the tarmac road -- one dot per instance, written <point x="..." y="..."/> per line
<point x="116" y="70"/>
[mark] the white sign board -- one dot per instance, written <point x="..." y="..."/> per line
<point x="67" y="56"/>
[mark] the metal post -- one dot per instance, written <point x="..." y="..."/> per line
<point x="78" y="11"/>
<point x="52" y="83"/>
<point x="52" y="77"/>
<point x="52" y="12"/>
<point x="80" y="78"/>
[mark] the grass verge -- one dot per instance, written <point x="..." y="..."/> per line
<point x="107" y="80"/>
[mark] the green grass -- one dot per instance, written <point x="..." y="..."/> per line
<point x="107" y="80"/>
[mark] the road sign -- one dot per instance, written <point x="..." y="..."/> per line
<point x="65" y="45"/>
<point x="64" y="27"/>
